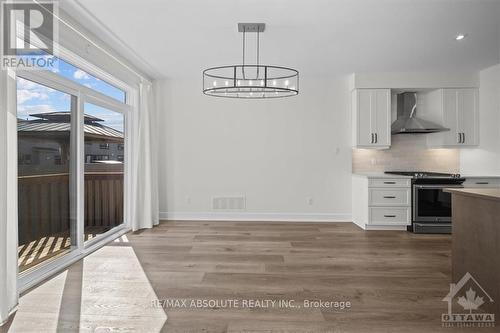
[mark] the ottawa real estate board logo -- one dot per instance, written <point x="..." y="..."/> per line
<point x="29" y="31"/>
<point x="467" y="302"/>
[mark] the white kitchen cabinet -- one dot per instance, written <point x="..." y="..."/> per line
<point x="458" y="110"/>
<point x="381" y="202"/>
<point x="371" y="118"/>
<point x="482" y="182"/>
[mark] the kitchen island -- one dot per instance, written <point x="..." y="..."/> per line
<point x="476" y="240"/>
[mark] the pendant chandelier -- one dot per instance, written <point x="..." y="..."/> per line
<point x="251" y="81"/>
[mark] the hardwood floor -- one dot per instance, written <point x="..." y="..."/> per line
<point x="394" y="280"/>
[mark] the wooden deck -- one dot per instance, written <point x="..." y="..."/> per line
<point x="49" y="248"/>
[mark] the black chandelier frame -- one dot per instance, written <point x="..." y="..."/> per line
<point x="235" y="90"/>
<point x="272" y="81"/>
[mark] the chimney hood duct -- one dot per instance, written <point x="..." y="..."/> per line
<point x="407" y="121"/>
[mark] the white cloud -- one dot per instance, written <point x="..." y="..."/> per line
<point x="79" y="75"/>
<point x="24" y="95"/>
<point x="25" y="84"/>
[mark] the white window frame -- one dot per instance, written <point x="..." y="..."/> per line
<point x="84" y="95"/>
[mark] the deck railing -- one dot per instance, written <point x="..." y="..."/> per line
<point x="44" y="204"/>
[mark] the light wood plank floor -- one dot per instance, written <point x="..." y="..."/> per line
<point x="394" y="280"/>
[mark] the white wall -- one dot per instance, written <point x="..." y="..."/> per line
<point x="485" y="160"/>
<point x="277" y="152"/>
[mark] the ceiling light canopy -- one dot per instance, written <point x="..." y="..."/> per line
<point x="253" y="81"/>
<point x="460" y="36"/>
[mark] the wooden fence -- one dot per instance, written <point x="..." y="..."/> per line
<point x="44" y="205"/>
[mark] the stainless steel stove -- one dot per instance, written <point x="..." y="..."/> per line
<point x="431" y="206"/>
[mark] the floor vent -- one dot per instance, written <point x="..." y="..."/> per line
<point x="229" y="203"/>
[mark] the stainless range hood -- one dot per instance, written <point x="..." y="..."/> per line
<point x="407" y="121"/>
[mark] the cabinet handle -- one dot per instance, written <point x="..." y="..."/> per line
<point x="459" y="137"/>
<point x="389" y="197"/>
<point x="389" y="215"/>
<point x="389" y="182"/>
<point x="376" y="137"/>
<point x="482" y="183"/>
<point x="463" y="137"/>
<point x="373" y="138"/>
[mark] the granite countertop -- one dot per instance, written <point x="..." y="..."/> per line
<point x="377" y="175"/>
<point x="484" y="193"/>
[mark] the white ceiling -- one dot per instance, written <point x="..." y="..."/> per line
<point x="178" y="38"/>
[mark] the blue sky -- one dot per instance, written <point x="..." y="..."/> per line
<point x="34" y="98"/>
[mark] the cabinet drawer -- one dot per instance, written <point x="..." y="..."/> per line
<point x="389" y="182"/>
<point x="389" y="197"/>
<point x="390" y="215"/>
<point x="482" y="182"/>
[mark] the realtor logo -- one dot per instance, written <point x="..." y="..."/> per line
<point x="28" y="36"/>
<point x="470" y="296"/>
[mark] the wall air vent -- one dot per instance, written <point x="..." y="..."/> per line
<point x="229" y="203"/>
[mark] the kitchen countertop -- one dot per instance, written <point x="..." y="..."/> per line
<point x="484" y="193"/>
<point x="479" y="176"/>
<point x="384" y="175"/>
<point x="378" y="175"/>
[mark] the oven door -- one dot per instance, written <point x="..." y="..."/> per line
<point x="431" y="203"/>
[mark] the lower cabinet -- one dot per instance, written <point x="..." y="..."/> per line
<point x="381" y="203"/>
<point x="389" y="215"/>
<point x="482" y="182"/>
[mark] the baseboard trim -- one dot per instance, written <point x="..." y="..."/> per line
<point x="263" y="217"/>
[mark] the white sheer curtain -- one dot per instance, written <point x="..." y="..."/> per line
<point x="8" y="196"/>
<point x="144" y="191"/>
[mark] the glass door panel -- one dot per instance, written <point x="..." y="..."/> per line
<point x="104" y="169"/>
<point x="47" y="228"/>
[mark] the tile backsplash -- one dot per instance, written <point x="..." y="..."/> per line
<point x="408" y="152"/>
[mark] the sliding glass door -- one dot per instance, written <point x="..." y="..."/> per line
<point x="71" y="163"/>
<point x="104" y="169"/>
<point x="46" y="179"/>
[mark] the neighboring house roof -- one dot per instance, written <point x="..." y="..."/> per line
<point x="59" y="122"/>
<point x="63" y="116"/>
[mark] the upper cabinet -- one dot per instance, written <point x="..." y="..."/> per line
<point x="371" y="118"/>
<point x="458" y="110"/>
